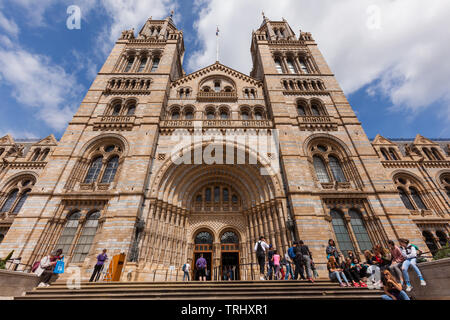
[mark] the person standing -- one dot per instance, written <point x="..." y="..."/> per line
<point x="201" y="265"/>
<point x="307" y="258"/>
<point x="276" y="264"/>
<point x="186" y="271"/>
<point x="298" y="261"/>
<point x="331" y="250"/>
<point x="410" y="254"/>
<point x="45" y="269"/>
<point x="101" y="258"/>
<point x="270" y="267"/>
<point x="289" y="262"/>
<point x="260" y="248"/>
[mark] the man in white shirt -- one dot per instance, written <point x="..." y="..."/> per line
<point x="260" y="248"/>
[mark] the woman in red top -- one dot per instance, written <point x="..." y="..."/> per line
<point x="397" y="260"/>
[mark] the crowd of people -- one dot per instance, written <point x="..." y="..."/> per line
<point x="382" y="268"/>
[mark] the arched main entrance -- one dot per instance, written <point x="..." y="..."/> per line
<point x="203" y="246"/>
<point x="229" y="256"/>
<point x="188" y="199"/>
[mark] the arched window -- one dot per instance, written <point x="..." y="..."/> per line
<point x="301" y="109"/>
<point x="189" y="115"/>
<point x="442" y="238"/>
<point x="10" y="201"/>
<point x="290" y="65"/>
<point x="225" y="195"/>
<point x="210" y="115"/>
<point x="175" y="115"/>
<point x="216" y="194"/>
<point x="393" y="154"/>
<point x="223" y="114"/>
<point x="258" y="115"/>
<point x="234" y="199"/>
<point x="86" y="238"/>
<point x="417" y="199"/>
<point x="111" y="169"/>
<point x="315" y="109"/>
<point x="203" y="237"/>
<point x="116" y="109"/>
<point x="436" y="154"/>
<point x="336" y="169"/>
<point x="198" y="198"/>
<point x="384" y="153"/>
<point x="37" y="152"/>
<point x="428" y="153"/>
<point x="229" y="237"/>
<point x="94" y="170"/>
<point x="208" y="195"/>
<point x="405" y="199"/>
<point x="1" y="151"/>
<point x="244" y="115"/>
<point x="69" y="232"/>
<point x="45" y="154"/>
<point x="341" y="232"/>
<point x="246" y="96"/>
<point x="253" y="94"/>
<point x="131" y="109"/>
<point x="429" y="241"/>
<point x="278" y="65"/>
<point x="21" y="201"/>
<point x="303" y="66"/>
<point x="2" y="236"/>
<point x="360" y="230"/>
<point x="155" y="64"/>
<point x="217" y="86"/>
<point x="129" y="64"/>
<point x="142" y="65"/>
<point x="321" y="170"/>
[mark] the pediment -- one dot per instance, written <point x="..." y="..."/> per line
<point x="7" y="140"/>
<point x="420" y="140"/>
<point x="379" y="139"/>
<point x="216" y="69"/>
<point x="48" y="141"/>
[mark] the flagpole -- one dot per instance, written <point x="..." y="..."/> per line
<point x="217" y="44"/>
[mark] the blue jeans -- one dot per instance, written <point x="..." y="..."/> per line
<point x="402" y="296"/>
<point x="289" y="271"/>
<point x="406" y="264"/>
<point x="337" y="276"/>
<point x="186" y="274"/>
<point x="270" y="270"/>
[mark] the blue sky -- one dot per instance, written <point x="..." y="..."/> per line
<point x="390" y="59"/>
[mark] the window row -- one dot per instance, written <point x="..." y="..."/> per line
<point x="144" y="62"/>
<point x="212" y="113"/>
<point x="310" y="108"/>
<point x="40" y="154"/>
<point x="292" y="64"/>
<point x="435" y="242"/>
<point x="432" y="154"/>
<point x="128" y="84"/>
<point x="303" y="85"/>
<point x="122" y="108"/>
<point x="77" y="237"/>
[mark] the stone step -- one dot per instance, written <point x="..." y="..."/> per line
<point x="203" y="291"/>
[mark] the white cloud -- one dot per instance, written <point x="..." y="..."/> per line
<point x="39" y="84"/>
<point x="126" y="15"/>
<point x="8" y="25"/>
<point x="408" y="52"/>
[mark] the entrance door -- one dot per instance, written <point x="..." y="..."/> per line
<point x="230" y="262"/>
<point x="208" y="258"/>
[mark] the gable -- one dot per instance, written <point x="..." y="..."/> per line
<point x="7" y="140"/>
<point x="381" y="140"/>
<point x="421" y="140"/>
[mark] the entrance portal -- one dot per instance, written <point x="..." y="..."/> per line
<point x="230" y="265"/>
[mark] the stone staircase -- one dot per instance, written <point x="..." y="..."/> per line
<point x="195" y="290"/>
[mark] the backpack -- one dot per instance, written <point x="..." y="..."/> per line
<point x="291" y="253"/>
<point x="184" y="267"/>
<point x="260" y="250"/>
<point x="417" y="249"/>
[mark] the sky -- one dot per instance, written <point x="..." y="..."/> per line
<point x="389" y="56"/>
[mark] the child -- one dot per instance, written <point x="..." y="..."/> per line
<point x="276" y="263"/>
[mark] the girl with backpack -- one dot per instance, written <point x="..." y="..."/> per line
<point x="409" y="252"/>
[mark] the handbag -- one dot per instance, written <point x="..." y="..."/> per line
<point x="59" y="268"/>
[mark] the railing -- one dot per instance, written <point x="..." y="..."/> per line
<point x="217" y="123"/>
<point x="216" y="96"/>
<point x="114" y="123"/>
